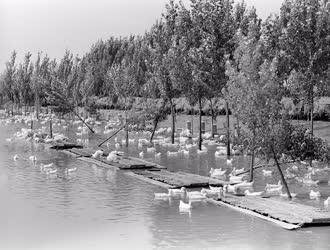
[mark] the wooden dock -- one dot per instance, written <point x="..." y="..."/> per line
<point x="180" y="179"/>
<point x="287" y="214"/>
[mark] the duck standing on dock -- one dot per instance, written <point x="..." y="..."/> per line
<point x="97" y="154"/>
<point x="267" y="173"/>
<point x="326" y="202"/>
<point x="314" y="194"/>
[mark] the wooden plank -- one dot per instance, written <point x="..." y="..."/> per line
<point x="97" y="162"/>
<point x="282" y="224"/>
<point x="63" y="146"/>
<point x="148" y="180"/>
<point x="285" y="211"/>
<point x="148" y="163"/>
<point x="130" y="164"/>
<point x="81" y="152"/>
<point x="181" y="179"/>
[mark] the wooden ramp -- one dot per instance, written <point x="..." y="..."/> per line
<point x="180" y="179"/>
<point x="289" y="212"/>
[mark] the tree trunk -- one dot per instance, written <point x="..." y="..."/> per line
<point x="173" y="121"/>
<point x="228" y="131"/>
<point x="37" y="105"/>
<point x="126" y="127"/>
<point x="281" y="174"/>
<point x="252" y="165"/>
<point x="192" y="120"/>
<point x="252" y="158"/>
<point x="154" y="130"/>
<point x="200" y="124"/>
<point x="312" y="114"/>
<point x="212" y="118"/>
<point x="51" y="128"/>
<point x="238" y="129"/>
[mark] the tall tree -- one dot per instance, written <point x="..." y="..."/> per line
<point x="305" y="44"/>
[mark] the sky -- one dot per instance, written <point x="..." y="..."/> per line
<point x="52" y="26"/>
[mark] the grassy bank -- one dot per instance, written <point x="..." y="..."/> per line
<point x="296" y="111"/>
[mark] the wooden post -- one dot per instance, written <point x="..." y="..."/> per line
<point x="31" y="124"/>
<point x="228" y="131"/>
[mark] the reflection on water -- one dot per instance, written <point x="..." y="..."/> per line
<point x="95" y="208"/>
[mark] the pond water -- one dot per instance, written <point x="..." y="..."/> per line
<point x="94" y="208"/>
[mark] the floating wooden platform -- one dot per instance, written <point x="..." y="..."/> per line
<point x="293" y="214"/>
<point x="63" y="146"/>
<point x="124" y="162"/>
<point x="180" y="179"/>
<point x="287" y="214"/>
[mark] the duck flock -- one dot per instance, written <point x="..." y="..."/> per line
<point x="185" y="146"/>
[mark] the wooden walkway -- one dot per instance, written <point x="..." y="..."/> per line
<point x="287" y="214"/>
<point x="281" y="210"/>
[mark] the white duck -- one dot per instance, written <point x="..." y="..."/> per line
<point x="209" y="192"/>
<point x="141" y="154"/>
<point x="326" y="202"/>
<point x="185" y="206"/>
<point x="245" y="185"/>
<point x="314" y="194"/>
<point x="293" y="195"/>
<point x="176" y="191"/>
<point x="15" y="157"/>
<point x="71" y="170"/>
<point x="46" y="166"/>
<point x="112" y="156"/>
<point x="151" y="150"/>
<point x="230" y="162"/>
<point x="235" y="179"/>
<point x="51" y="171"/>
<point x="33" y="158"/>
<point x="217" y="172"/>
<point x="271" y="186"/>
<point x="267" y="173"/>
<point x="173" y="154"/>
<point x="218" y="189"/>
<point x="196" y="196"/>
<point x="274" y="191"/>
<point x="237" y="171"/>
<point x="162" y="196"/>
<point x="248" y="193"/>
<point x="229" y="188"/>
<point x="97" y="154"/>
